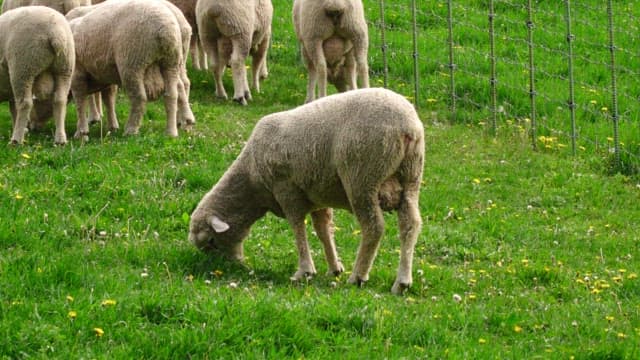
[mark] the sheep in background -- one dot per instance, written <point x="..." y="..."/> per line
<point x="361" y="150"/>
<point x="320" y="25"/>
<point x="62" y="6"/>
<point x="230" y="30"/>
<point x="136" y="45"/>
<point x="35" y="66"/>
<point x="198" y="55"/>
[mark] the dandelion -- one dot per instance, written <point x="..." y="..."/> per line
<point x="621" y="335"/>
<point x="69" y="298"/>
<point x="189" y="278"/>
<point x="524" y="262"/>
<point x="72" y="315"/>
<point x="19" y="197"/>
<point x="233" y="285"/>
<point x="610" y="318"/>
<point x="108" y="302"/>
<point x="98" y="331"/>
<point x="517" y="329"/>
<point x="217" y="273"/>
<point x="476" y="181"/>
<point x="457" y="298"/>
<point x="431" y="100"/>
<point x="482" y="341"/>
<point x="26" y="156"/>
<point x="632" y="276"/>
<point x="593" y="102"/>
<point x="604" y="109"/>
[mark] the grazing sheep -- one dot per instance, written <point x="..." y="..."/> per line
<point x="335" y="41"/>
<point x="62" y="6"/>
<point x="35" y="66"/>
<point x="361" y="150"/>
<point x="114" y="46"/>
<point x="230" y="30"/>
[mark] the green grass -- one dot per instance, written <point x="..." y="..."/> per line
<point x="523" y="254"/>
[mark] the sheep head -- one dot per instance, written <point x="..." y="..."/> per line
<point x="211" y="234"/>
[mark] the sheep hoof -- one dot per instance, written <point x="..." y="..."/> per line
<point x="131" y="131"/>
<point x="356" y="280"/>
<point x="222" y="96"/>
<point x="399" y="288"/>
<point x="84" y="135"/>
<point x="337" y="271"/>
<point x="242" y="101"/>
<point x="247" y="95"/>
<point x="60" y="141"/>
<point x="94" y="121"/>
<point x="14" y="142"/>
<point x="302" y="275"/>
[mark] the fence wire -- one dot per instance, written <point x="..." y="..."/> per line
<point x="567" y="71"/>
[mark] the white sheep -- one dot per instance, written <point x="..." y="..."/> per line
<point x="37" y="59"/>
<point x="361" y="150"/>
<point x="136" y="45"/>
<point x="320" y="26"/>
<point x="230" y="30"/>
<point x="62" y="6"/>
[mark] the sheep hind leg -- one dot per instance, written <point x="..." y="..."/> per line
<point x="323" y="225"/>
<point x="109" y="99"/>
<point x="409" y="222"/>
<point x="60" y="95"/>
<point x="24" y="104"/>
<point x="171" y="81"/>
<point x="239" y="52"/>
<point x="369" y="215"/>
<point x="133" y="85"/>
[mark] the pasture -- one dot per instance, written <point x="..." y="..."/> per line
<point x="523" y="253"/>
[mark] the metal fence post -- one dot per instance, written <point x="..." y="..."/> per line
<point x="492" y="57"/>
<point x="452" y="65"/>
<point x="572" y="101"/>
<point x="532" y="77"/>
<point x="614" y="89"/>
<point x="385" y="64"/>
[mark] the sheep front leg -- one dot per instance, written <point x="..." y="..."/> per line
<point x="369" y="215"/>
<point x="316" y="55"/>
<point x="323" y="225"/>
<point x="259" y="64"/>
<point x="95" y="108"/>
<point x="24" y="104"/>
<point x="306" y="268"/>
<point x="409" y="222"/>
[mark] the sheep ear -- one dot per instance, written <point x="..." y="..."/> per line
<point x="217" y="224"/>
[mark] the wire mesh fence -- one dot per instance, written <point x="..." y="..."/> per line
<point x="565" y="73"/>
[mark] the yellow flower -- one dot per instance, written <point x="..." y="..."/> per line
<point x="217" y="273"/>
<point x="69" y="298"/>
<point x="98" y="331"/>
<point x="621" y="335"/>
<point x="482" y="341"/>
<point x="610" y="318"/>
<point x="72" y="315"/>
<point x="108" y="302"/>
<point x="431" y="100"/>
<point x="476" y="181"/>
<point x="19" y="197"/>
<point x="26" y="156"/>
<point x="632" y="276"/>
<point x="517" y="329"/>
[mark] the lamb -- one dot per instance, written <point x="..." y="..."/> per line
<point x="35" y="66"/>
<point x="114" y="47"/>
<point x="321" y="25"/>
<point x="230" y="30"/>
<point x="62" y="6"/>
<point x="361" y="150"/>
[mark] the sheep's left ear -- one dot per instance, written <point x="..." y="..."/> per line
<point x="218" y="224"/>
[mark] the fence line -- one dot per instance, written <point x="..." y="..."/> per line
<point x="472" y="66"/>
